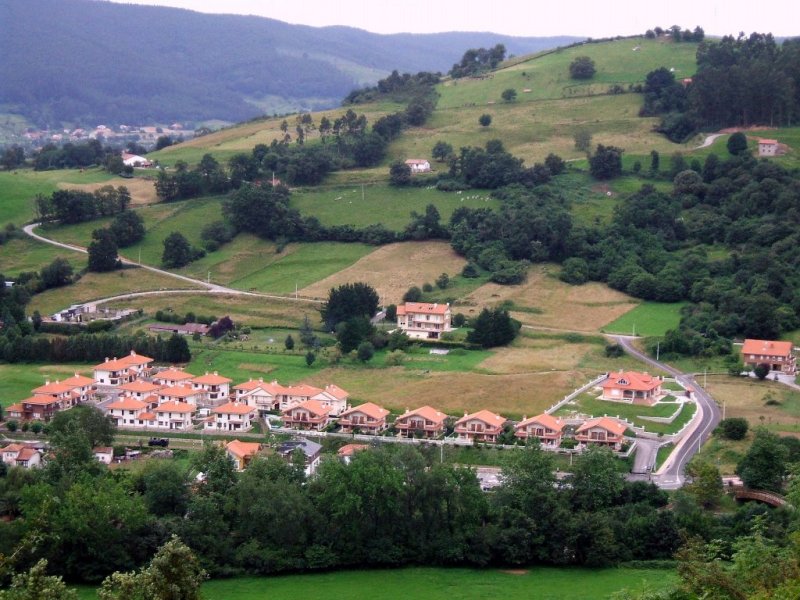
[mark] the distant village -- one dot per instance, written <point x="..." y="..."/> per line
<point x="146" y="136"/>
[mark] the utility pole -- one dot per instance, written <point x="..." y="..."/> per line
<point x="208" y="277"/>
<point x="658" y="350"/>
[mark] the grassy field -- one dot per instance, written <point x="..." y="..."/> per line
<point x="246" y="310"/>
<point x="17" y="380"/>
<point x="545" y="301"/>
<point x="648" y="319"/>
<point x="18" y="188"/>
<point x="26" y="254"/>
<point x="542" y="583"/>
<point x="360" y="206"/>
<point x="760" y="402"/>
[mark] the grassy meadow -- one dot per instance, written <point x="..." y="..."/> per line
<point x="540" y="583"/>
<point x="648" y="319"/>
<point x="763" y="403"/>
<point x="17" y="381"/>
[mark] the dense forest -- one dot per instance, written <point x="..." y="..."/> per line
<point x="88" y="62"/>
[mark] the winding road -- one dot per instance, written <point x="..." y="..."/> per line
<point x="209" y="288"/>
<point x="670" y="475"/>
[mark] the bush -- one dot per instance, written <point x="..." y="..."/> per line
<point x="427" y="287"/>
<point x="36" y="427"/>
<point x="12" y="426"/>
<point x="485" y="120"/>
<point x="614" y="350"/>
<point x="470" y="271"/>
<point x="761" y="371"/>
<point x="414" y="294"/>
<point x="582" y="68"/>
<point x="733" y="428"/>
<point x="459" y="320"/>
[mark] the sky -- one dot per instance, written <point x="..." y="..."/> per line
<point x="589" y="18"/>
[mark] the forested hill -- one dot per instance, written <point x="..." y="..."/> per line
<point x="92" y="62"/>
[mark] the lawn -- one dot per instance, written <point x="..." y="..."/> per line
<point x="431" y="583"/>
<point x="760" y="402"/>
<point x="364" y="205"/>
<point x="648" y="319"/>
<point x="26" y="254"/>
<point x="546" y="301"/>
<point x="17" y="380"/>
<point x="18" y="189"/>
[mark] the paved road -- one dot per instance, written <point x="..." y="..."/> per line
<point x="671" y="476"/>
<point x="212" y="288"/>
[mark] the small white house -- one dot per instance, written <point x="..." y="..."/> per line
<point x="134" y="160"/>
<point x="418" y="165"/>
<point x="767" y="147"/>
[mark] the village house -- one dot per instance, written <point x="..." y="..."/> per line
<point x="104" y="454"/>
<point x="424" y="422"/>
<point x="180" y="329"/>
<point x="215" y="387"/>
<point x="36" y="408"/>
<point x="128" y="411"/>
<point x="21" y="455"/>
<point x="482" y="426"/>
<point x="180" y="393"/>
<point x="312" y="453"/>
<point x="367" y="418"/>
<point x="768" y="147"/>
<point x="133" y="160"/>
<point x="310" y="414"/>
<point x="120" y="371"/>
<point x="418" y="165"/>
<point x="346" y="452"/>
<point x="264" y="396"/>
<point x="778" y="355"/>
<point x="233" y="416"/>
<point x="603" y="431"/>
<point x="73" y="390"/>
<point x="174" y="415"/>
<point x="293" y="395"/>
<point x="632" y="387"/>
<point x="141" y="390"/>
<point x="242" y="453"/>
<point x="172" y="376"/>
<point x="422" y="320"/>
<point x="333" y="397"/>
<point x="546" y="428"/>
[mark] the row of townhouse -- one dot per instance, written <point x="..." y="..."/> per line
<point x="52" y="397"/>
<point x="482" y="426"/>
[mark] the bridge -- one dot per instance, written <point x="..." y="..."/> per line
<point x="771" y="498"/>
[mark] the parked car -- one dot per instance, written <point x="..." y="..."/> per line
<point x="163" y="442"/>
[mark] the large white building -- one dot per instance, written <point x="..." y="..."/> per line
<point x="422" y="320"/>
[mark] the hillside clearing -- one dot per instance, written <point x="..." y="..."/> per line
<point x="143" y="191"/>
<point x="747" y="398"/>
<point x="648" y="319"/>
<point x="545" y="301"/>
<point x="393" y="268"/>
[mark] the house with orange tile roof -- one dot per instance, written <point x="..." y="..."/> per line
<point x="295" y="394"/>
<point x="21" y="455"/>
<point x="768" y="147"/>
<point x="140" y="389"/>
<point x="73" y="390"/>
<point x="119" y="371"/>
<point x="104" y="454"/>
<point x="632" y="387"/>
<point x="214" y="386"/>
<point x="421" y="422"/>
<point x="482" y="426"/>
<point x="367" y="418"/>
<point x="546" y="428"/>
<point x="241" y="453"/>
<point x="36" y="408"/>
<point x="346" y="452"/>
<point x="127" y="412"/>
<point x="603" y="431"/>
<point x="311" y="414"/>
<point x="232" y="416"/>
<point x="172" y="376"/>
<point x="334" y="397"/>
<point x="423" y="320"/>
<point x="180" y="393"/>
<point x="265" y="396"/>
<point x="778" y="355"/>
<point x="174" y="415"/>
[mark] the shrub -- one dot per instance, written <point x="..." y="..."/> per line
<point x="733" y="428"/>
<point x="427" y="287"/>
<point x="614" y="350"/>
<point x="12" y="426"/>
<point x="414" y="294"/>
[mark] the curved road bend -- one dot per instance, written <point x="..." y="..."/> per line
<point x="209" y="287"/>
<point x="670" y="476"/>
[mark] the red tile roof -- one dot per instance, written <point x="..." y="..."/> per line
<point x="78" y="380"/>
<point x="234" y="408"/>
<point x="119" y="364"/>
<point x="140" y="386"/>
<point x="606" y="423"/>
<point x="631" y="380"/>
<point x="767" y="347"/>
<point x="303" y="390"/>
<point x="350" y="449"/>
<point x="315" y="407"/>
<point x="423" y="308"/>
<point x="173" y="374"/>
<point x="179" y="407"/>
<point x="770" y="142"/>
<point x="41" y="400"/>
<point x="548" y="421"/>
<point x="426" y="412"/>
<point x="178" y="391"/>
<point x="242" y="449"/>
<point x="337" y="392"/>
<point x="53" y="387"/>
<point x="368" y="408"/>
<point x="26" y="454"/>
<point x="127" y="403"/>
<point x="211" y="379"/>
<point x="486" y="416"/>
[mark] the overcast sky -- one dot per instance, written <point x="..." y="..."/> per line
<point x="518" y="17"/>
